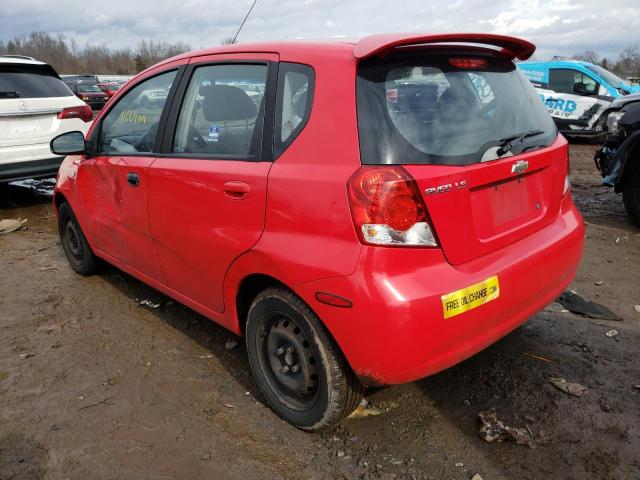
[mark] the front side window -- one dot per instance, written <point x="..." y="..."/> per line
<point x="571" y="81"/>
<point x="222" y="110"/>
<point x="449" y="109"/>
<point x="132" y="124"/>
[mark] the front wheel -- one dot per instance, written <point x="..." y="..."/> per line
<point x="297" y="364"/>
<point x="631" y="195"/>
<point x="75" y="245"/>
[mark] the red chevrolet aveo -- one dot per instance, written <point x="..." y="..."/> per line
<point x="364" y="213"/>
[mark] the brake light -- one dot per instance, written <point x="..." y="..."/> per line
<point x="82" y="112"/>
<point x="387" y="208"/>
<point x="468" y="62"/>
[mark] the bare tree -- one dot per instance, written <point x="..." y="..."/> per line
<point x="66" y="56"/>
<point x="588" y="56"/>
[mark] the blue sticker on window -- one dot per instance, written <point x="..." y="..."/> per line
<point x="214" y="133"/>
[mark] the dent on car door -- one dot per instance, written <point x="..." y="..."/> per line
<point x="207" y="191"/>
<point x="114" y="181"/>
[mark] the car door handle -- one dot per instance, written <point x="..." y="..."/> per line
<point x="236" y="189"/>
<point x="133" y="179"/>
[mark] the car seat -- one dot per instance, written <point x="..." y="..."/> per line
<point x="231" y="109"/>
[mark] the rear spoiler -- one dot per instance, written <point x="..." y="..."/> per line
<point x="381" y="44"/>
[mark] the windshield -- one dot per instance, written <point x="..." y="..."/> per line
<point x="88" y="88"/>
<point x="423" y="110"/>
<point x="609" y="77"/>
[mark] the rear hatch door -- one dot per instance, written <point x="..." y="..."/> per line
<point x="480" y="208"/>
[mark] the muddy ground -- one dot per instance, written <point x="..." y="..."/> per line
<point x="92" y="385"/>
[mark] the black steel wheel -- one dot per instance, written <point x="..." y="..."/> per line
<point x="74" y="243"/>
<point x="296" y="363"/>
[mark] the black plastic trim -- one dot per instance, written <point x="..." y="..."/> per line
<point x="45" y="168"/>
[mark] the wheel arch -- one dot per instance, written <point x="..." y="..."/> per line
<point x="58" y="199"/>
<point x="248" y="289"/>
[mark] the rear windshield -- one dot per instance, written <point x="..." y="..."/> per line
<point x="18" y="81"/>
<point x="424" y="110"/>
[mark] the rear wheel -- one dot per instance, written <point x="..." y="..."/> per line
<point x="296" y="363"/>
<point x="75" y="245"/>
<point x="631" y="195"/>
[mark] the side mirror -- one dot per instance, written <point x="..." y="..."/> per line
<point x="70" y="143"/>
<point x="580" y="88"/>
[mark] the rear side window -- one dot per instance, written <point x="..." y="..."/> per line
<point x="222" y="112"/>
<point x="436" y="109"/>
<point x="132" y="124"/>
<point x="293" y="105"/>
<point x="31" y="81"/>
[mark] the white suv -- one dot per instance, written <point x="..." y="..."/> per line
<point x="35" y="106"/>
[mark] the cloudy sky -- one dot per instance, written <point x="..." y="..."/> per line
<point x="558" y="27"/>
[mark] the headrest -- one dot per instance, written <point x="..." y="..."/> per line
<point x="226" y="102"/>
<point x="417" y="97"/>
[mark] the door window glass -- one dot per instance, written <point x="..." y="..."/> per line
<point x="222" y="111"/>
<point x="565" y="81"/>
<point x="293" y="105"/>
<point x="132" y="124"/>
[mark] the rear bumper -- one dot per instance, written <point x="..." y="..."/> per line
<point x="45" y="168"/>
<point x="396" y="332"/>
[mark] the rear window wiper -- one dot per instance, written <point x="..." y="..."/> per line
<point x="507" y="144"/>
<point x="9" y="94"/>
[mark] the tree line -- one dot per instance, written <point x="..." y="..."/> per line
<point x="67" y="57"/>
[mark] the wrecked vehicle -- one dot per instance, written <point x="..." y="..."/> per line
<point x="364" y="213"/>
<point x="619" y="158"/>
<point x="576" y="93"/>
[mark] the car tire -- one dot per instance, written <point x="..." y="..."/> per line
<point x="631" y="195"/>
<point x="74" y="243"/>
<point x="296" y="364"/>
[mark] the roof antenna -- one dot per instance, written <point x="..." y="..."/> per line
<point x="245" y="19"/>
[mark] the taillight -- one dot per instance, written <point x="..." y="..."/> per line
<point x="82" y="112"/>
<point x="387" y="208"/>
<point x="468" y="62"/>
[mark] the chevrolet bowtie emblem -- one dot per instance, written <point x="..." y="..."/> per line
<point x="520" y="166"/>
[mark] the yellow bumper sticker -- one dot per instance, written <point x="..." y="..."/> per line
<point x="470" y="297"/>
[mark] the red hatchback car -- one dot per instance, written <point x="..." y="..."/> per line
<point x="365" y="213"/>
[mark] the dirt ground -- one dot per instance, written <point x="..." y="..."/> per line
<point x="92" y="385"/>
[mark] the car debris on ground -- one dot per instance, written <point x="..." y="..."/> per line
<point x="9" y="225"/>
<point x="148" y="303"/>
<point x="231" y="344"/>
<point x="494" y="430"/>
<point x="612" y="333"/>
<point x="576" y="304"/>
<point x="569" y="388"/>
<point x="365" y="409"/>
